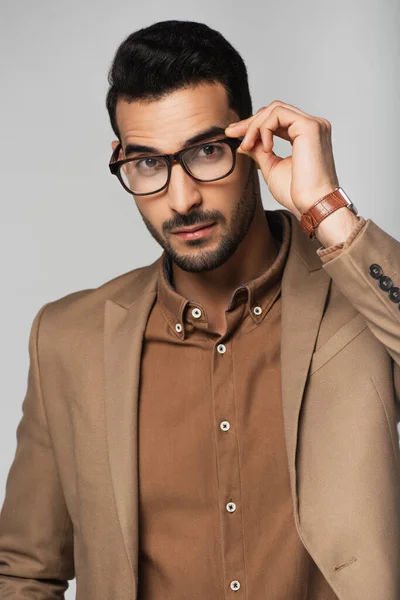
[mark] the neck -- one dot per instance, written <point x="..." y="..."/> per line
<point x="213" y="289"/>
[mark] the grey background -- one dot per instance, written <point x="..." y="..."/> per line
<point x="65" y="224"/>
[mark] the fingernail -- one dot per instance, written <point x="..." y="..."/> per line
<point x="232" y="125"/>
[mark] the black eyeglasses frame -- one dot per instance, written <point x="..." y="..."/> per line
<point x="176" y="157"/>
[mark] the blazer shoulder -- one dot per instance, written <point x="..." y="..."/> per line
<point x="84" y="309"/>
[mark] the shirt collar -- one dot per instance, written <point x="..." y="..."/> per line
<point x="258" y="294"/>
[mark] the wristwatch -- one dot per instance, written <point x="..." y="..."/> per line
<point x="322" y="208"/>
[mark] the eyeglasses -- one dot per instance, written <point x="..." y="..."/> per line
<point x="145" y="175"/>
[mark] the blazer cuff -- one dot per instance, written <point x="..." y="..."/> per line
<point x="327" y="254"/>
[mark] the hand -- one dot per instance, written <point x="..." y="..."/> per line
<point x="299" y="180"/>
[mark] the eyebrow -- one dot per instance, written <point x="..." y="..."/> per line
<point x="212" y="131"/>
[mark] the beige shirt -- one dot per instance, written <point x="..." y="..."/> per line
<point x="216" y="515"/>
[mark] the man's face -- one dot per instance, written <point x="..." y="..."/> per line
<point x="228" y="204"/>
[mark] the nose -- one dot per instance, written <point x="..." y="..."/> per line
<point x="183" y="191"/>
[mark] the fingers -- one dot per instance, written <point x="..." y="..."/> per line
<point x="278" y="118"/>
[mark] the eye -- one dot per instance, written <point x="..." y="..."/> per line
<point x="208" y="151"/>
<point x="148" y="163"/>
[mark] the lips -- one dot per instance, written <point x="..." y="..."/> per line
<point x="196" y="232"/>
<point x="196" y="228"/>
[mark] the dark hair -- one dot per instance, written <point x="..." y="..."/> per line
<point x="171" y="55"/>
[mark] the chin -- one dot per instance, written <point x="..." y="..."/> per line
<point x="198" y="262"/>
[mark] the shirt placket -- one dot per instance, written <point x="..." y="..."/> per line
<point x="228" y="461"/>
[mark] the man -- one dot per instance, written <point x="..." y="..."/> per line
<point x="221" y="423"/>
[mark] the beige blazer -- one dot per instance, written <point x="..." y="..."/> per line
<point x="72" y="491"/>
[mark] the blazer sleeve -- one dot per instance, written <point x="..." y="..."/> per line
<point x="367" y="271"/>
<point x="36" y="535"/>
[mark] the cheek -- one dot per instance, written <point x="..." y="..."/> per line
<point x="154" y="212"/>
<point x="233" y="186"/>
<point x="239" y="177"/>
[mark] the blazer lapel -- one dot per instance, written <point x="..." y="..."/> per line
<point x="124" y="324"/>
<point x="305" y="286"/>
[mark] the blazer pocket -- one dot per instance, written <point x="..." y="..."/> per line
<point x="343" y="336"/>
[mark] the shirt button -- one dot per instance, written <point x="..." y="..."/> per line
<point x="231" y="507"/>
<point x="224" y="425"/>
<point x="221" y="348"/>
<point x="196" y="312"/>
<point x="257" y="310"/>
<point x="385" y="283"/>
<point x="375" y="271"/>
<point x="178" y="327"/>
<point x="235" y="585"/>
<point x="394" y="294"/>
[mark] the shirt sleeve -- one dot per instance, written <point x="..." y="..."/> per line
<point x="327" y="254"/>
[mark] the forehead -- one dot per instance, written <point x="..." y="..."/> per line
<point x="168" y="122"/>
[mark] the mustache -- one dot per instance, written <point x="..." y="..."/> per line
<point x="192" y="219"/>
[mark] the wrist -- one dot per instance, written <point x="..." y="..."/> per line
<point x="324" y="209"/>
<point x="336" y="227"/>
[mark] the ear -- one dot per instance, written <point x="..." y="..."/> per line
<point x="114" y="144"/>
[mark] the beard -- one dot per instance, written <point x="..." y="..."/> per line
<point x="233" y="232"/>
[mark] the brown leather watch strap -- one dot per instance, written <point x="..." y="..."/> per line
<point x="320" y="210"/>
